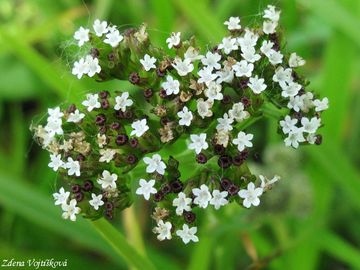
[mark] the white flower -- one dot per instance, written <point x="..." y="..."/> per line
<point x="249" y="54"/>
<point x="55" y="113"/>
<point x="53" y="127"/>
<point x="269" y="27"/>
<point x="198" y="142"/>
<point x="321" y="105"/>
<point x="290" y="89"/>
<point x="108" y="181"/>
<point x="307" y="100"/>
<point x="296" y="103"/>
<point x="213" y="92"/>
<point x="233" y="23"/>
<point x="91" y="102"/>
<point x="100" y="28"/>
<point x="101" y="140"/>
<point x="139" y="128"/>
<point x="311" y="138"/>
<point x="96" y="201"/>
<point x="182" y="203"/>
<point x="243" y="140"/>
<point x="171" y="86"/>
<point x="202" y="196"/>
<point x="282" y="76"/>
<point x="93" y="65"/>
<point x="228" y="44"/>
<point x="271" y="13"/>
<point x="275" y="57"/>
<point x="113" y="38"/>
<point x="56" y="162"/>
<point x="224" y="124"/>
<point x="187" y="234"/>
<point x="288" y="124"/>
<point x="185" y="116"/>
<point x="155" y="164"/>
<point x="82" y="35"/>
<point x="192" y="54"/>
<point x="248" y="40"/>
<point x="174" y="40"/>
<point x="266" y="47"/>
<point x="148" y="62"/>
<point x="267" y="183"/>
<point x="211" y="60"/>
<point x="219" y="198"/>
<point x="70" y="210"/>
<point x="310" y="126"/>
<point x="250" y="195"/>
<point x="243" y="68"/>
<point x="75" y="117"/>
<point x="107" y="155"/>
<point x="257" y="85"/>
<point x="61" y="197"/>
<point x="238" y="112"/>
<point x="222" y="138"/>
<point x="146" y="188"/>
<point x="206" y="75"/>
<point x="204" y="108"/>
<point x="294" y="137"/>
<point x="296" y="61"/>
<point x="164" y="230"/>
<point x="122" y="102"/>
<point x="183" y="67"/>
<point x="73" y="167"/>
<point x="225" y="75"/>
<point x="80" y="68"/>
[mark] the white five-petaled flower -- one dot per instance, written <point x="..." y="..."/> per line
<point x="251" y="195"/>
<point x="108" y="180"/>
<point x="266" y="47"/>
<point x="182" y="203"/>
<point x="91" y="102"/>
<point x="75" y="117"/>
<point x="55" y="113"/>
<point x="146" y="188"/>
<point x="82" y="35"/>
<point x="211" y="60"/>
<point x="107" y="155"/>
<point x="155" y="164"/>
<point x="233" y="23"/>
<point x="288" y="124"/>
<point x="53" y="127"/>
<point x="219" y="198"/>
<point x="225" y="123"/>
<point x="204" y="107"/>
<point x="290" y="89"/>
<point x="243" y="140"/>
<point x="310" y="126"/>
<point x="113" y="38"/>
<point x="296" y="61"/>
<point x="321" y="105"/>
<point x="228" y="44"/>
<point x="163" y="230"/>
<point x="139" y="127"/>
<point x="122" y="102"/>
<point x="226" y="74"/>
<point x="93" y="65"/>
<point x="238" y="112"/>
<point x="187" y="234"/>
<point x="275" y="57"/>
<point x="148" y="62"/>
<point x="267" y="183"/>
<point x="249" y="54"/>
<point x="248" y="40"/>
<point x="174" y="40"/>
<point x="295" y="136"/>
<point x="243" y="68"/>
<point x="183" y="67"/>
<point x="269" y="27"/>
<point x="185" y="116"/>
<point x="73" y="167"/>
<point x="55" y="162"/>
<point x="100" y="28"/>
<point x="192" y="54"/>
<point x="271" y="14"/>
<point x="171" y="86"/>
<point x="70" y="210"/>
<point x="282" y="76"/>
<point x="257" y="84"/>
<point x="213" y="91"/>
<point x="198" y="142"/>
<point x="296" y="103"/>
<point x="206" y="75"/>
<point x="61" y="197"/>
<point x="80" y="68"/>
<point x="96" y="201"/>
<point x="202" y="196"/>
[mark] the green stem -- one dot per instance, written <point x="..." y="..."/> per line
<point x="118" y="242"/>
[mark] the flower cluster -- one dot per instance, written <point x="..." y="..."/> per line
<point x="208" y="98"/>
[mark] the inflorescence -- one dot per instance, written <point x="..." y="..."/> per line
<point x="208" y="98"/>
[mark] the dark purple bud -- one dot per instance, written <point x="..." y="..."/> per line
<point x="109" y="215"/>
<point x="189" y="217"/>
<point x="119" y="114"/>
<point x="80" y="157"/>
<point x="79" y="196"/>
<point x="158" y="196"/>
<point x="301" y="91"/>
<point x="162" y="93"/>
<point x="176" y="186"/>
<point x="164" y="120"/>
<point x="100" y="119"/>
<point x="238" y="160"/>
<point x="75" y="188"/>
<point x="109" y="206"/>
<point x="112" y="56"/>
<point x="122" y="139"/>
<point x="134" y="78"/>
<point x="94" y="52"/>
<point x="226" y="100"/>
<point x="225" y="161"/>
<point x="166" y="189"/>
<point x="88" y="185"/>
<point x="105" y="104"/>
<point x="298" y="115"/>
<point x="160" y="73"/>
<point x="233" y="189"/>
<point x="102" y="130"/>
<point x="72" y="108"/>
<point x="318" y="139"/>
<point x="201" y="158"/>
<point x="246" y="101"/>
<point x="130" y="31"/>
<point x="115" y="125"/>
<point x="104" y="94"/>
<point x="219" y="149"/>
<point x="131" y="159"/>
<point x="244" y="154"/>
<point x="225" y="183"/>
<point x="133" y="142"/>
<point x="148" y="93"/>
<point x="243" y="84"/>
<point x="128" y="115"/>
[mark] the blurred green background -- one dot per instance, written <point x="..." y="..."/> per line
<point x="311" y="219"/>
